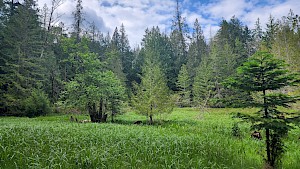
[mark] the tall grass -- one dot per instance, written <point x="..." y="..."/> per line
<point x="185" y="139"/>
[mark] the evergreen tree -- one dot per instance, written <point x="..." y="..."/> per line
<point x="203" y="83"/>
<point x="78" y="18"/>
<point x="115" y="40"/>
<point x="152" y="96"/>
<point x="257" y="34"/>
<point x="126" y="56"/>
<point x="124" y="43"/>
<point x="264" y="74"/>
<point x="179" y="36"/>
<point x="285" y="45"/>
<point x="159" y="42"/>
<point x="183" y="84"/>
<point x="114" y="64"/>
<point x="224" y="62"/>
<point x="230" y="31"/>
<point x="237" y="36"/>
<point x="20" y="50"/>
<point x="197" y="49"/>
<point x="270" y="33"/>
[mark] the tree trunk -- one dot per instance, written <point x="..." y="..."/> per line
<point x="100" y="108"/>
<point x="267" y="131"/>
<point x="112" y="116"/>
<point x="268" y="147"/>
<point x="151" y="120"/>
<point x="92" y="112"/>
<point x="52" y="87"/>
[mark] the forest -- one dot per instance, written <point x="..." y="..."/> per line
<point x="46" y="70"/>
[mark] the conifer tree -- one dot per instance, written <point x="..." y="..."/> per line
<point x="257" y="35"/>
<point x="264" y="74"/>
<point x="115" y="40"/>
<point x="126" y="56"/>
<point x="20" y="50"/>
<point x="197" y="49"/>
<point x="78" y="19"/>
<point x="183" y="84"/>
<point x="152" y="96"/>
<point x="285" y="45"/>
<point x="270" y="33"/>
<point x="179" y="36"/>
<point x="159" y="42"/>
<point x="203" y="83"/>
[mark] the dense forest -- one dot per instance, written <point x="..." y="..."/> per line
<point x="44" y="68"/>
<point x="47" y="68"/>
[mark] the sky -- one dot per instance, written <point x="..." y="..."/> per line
<point x="137" y="15"/>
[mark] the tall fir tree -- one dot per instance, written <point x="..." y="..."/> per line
<point x="202" y="88"/>
<point x="179" y="37"/>
<point x="157" y="41"/>
<point x="270" y="33"/>
<point x="257" y="35"/>
<point x="126" y="56"/>
<point x="20" y="50"/>
<point x="198" y="49"/>
<point x="78" y="19"/>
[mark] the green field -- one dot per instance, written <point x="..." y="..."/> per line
<point x="187" y="138"/>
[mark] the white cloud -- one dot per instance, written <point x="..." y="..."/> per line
<point x="137" y="15"/>
<point x="227" y="8"/>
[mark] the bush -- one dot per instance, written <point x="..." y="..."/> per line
<point x="37" y="104"/>
<point x="236" y="131"/>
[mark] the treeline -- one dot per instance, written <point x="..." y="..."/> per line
<point x="42" y="65"/>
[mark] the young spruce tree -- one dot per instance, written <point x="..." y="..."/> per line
<point x="264" y="74"/>
<point x="152" y="96"/>
<point x="183" y="84"/>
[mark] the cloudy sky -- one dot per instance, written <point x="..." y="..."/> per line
<point x="137" y="15"/>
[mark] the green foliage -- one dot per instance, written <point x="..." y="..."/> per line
<point x="236" y="131"/>
<point x="20" y="64"/>
<point x="264" y="74"/>
<point x="160" y="43"/>
<point x="152" y="96"/>
<point x="284" y="44"/>
<point x="94" y="87"/>
<point x="219" y="65"/>
<point x="184" y="84"/>
<point x="37" y="104"/>
<point x="203" y="84"/>
<point x="178" y="38"/>
<point x="198" y="50"/>
<point x="181" y="141"/>
<point x="271" y="31"/>
<point x="114" y="64"/>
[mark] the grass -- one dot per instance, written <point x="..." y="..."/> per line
<point x="185" y="139"/>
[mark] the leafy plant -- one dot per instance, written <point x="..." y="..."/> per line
<point x="235" y="130"/>
<point x="37" y="104"/>
<point x="264" y="74"/>
<point x="152" y="96"/>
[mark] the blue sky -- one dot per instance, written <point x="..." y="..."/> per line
<point x="137" y="15"/>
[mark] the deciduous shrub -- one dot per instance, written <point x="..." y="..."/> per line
<point x="37" y="104"/>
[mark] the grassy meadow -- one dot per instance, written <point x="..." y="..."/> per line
<point x="187" y="138"/>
